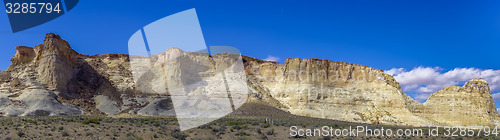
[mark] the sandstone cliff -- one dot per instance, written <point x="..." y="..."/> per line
<point x="336" y="90"/>
<point x="53" y="79"/>
<point x="469" y="105"/>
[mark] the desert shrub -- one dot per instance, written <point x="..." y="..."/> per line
<point x="255" y="123"/>
<point x="242" y="133"/>
<point x="85" y="121"/>
<point x="179" y="135"/>
<point x="270" y="132"/>
<point x="222" y="130"/>
<point x="237" y="127"/>
<point x="215" y="130"/>
<point x="130" y="134"/>
<point x="206" y="126"/>
<point x="265" y="125"/>
<point x="94" y="120"/>
<point x="20" y="133"/>
<point x="64" y="133"/>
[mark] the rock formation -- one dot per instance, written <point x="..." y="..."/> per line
<point x="336" y="90"/>
<point x="470" y="105"/>
<point x="53" y="79"/>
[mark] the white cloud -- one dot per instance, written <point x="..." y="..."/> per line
<point x="496" y="96"/>
<point x="395" y="71"/>
<point x="427" y="80"/>
<point x="272" y="58"/>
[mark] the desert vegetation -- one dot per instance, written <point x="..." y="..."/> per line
<point x="238" y="125"/>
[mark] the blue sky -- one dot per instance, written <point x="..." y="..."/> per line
<point x="383" y="34"/>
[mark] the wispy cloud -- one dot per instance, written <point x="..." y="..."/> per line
<point x="272" y="58"/>
<point x="427" y="80"/>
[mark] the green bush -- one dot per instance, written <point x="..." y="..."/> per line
<point x="85" y="121"/>
<point x="94" y="120"/>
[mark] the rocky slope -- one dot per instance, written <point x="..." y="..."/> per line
<point x="53" y="79"/>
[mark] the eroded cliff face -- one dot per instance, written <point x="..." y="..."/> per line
<point x="73" y="83"/>
<point x="77" y="83"/>
<point x="37" y="75"/>
<point x="357" y="93"/>
<point x="469" y="105"/>
<point x="335" y="90"/>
